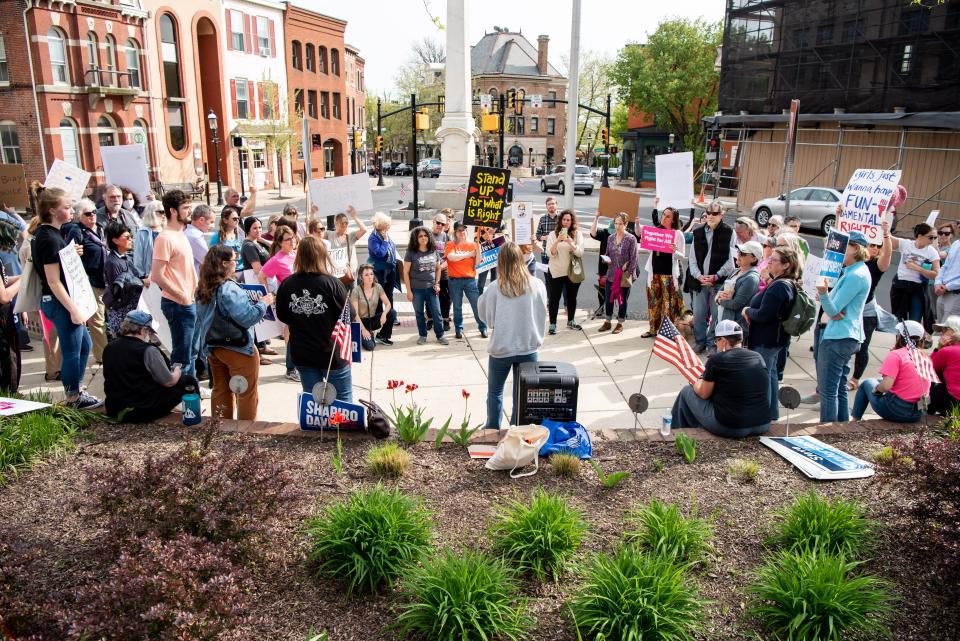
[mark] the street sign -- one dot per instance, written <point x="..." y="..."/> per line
<point x="536" y="100"/>
<point x="603" y="156"/>
<point x="598" y="150"/>
<point x="485" y="101"/>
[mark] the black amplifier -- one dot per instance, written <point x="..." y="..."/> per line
<point x="547" y="390"/>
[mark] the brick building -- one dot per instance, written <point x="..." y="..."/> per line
<point x="316" y="70"/>
<point x="72" y="80"/>
<point x="505" y="60"/>
<point x="356" y="110"/>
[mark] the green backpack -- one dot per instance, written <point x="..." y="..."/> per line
<point x="802" y="313"/>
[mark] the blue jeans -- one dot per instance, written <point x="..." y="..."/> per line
<point x="497" y="370"/>
<point x="75" y="344"/>
<point x="888" y="406"/>
<point x="182" y="320"/>
<point x="458" y="288"/>
<point x="482" y="278"/>
<point x="341" y="379"/>
<point x="833" y="368"/>
<point x="608" y="304"/>
<point x="704" y="304"/>
<point x="771" y="356"/>
<point x="421" y="299"/>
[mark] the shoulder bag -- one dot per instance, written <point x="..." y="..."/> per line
<point x="224" y="331"/>
<point x="28" y="299"/>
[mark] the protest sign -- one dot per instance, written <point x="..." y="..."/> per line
<point x="811" y="273"/>
<point x="339" y="261"/>
<point x="614" y="201"/>
<point x="818" y="460"/>
<point x="656" y="239"/>
<point x="334" y="195"/>
<point x="269" y="327"/>
<point x="932" y="217"/>
<point x="522" y="223"/>
<point x="486" y="196"/>
<point x="13" y="186"/>
<point x="865" y="200"/>
<point x="489" y="251"/>
<point x="14" y="406"/>
<point x="126" y="166"/>
<point x="675" y="180"/>
<point x="832" y="262"/>
<point x="315" y="417"/>
<point x="355" y="336"/>
<point x="67" y="177"/>
<point x="78" y="283"/>
<point x="150" y="303"/>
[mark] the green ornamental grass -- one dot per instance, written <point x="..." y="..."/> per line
<point x="388" y="459"/>
<point x="664" y="531"/>
<point x="369" y="539"/>
<point x="539" y="537"/>
<point x="462" y="596"/>
<point x="839" y="526"/>
<point x="634" y="596"/>
<point x="813" y="595"/>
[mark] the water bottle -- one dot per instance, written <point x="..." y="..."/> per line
<point x="191" y="406"/>
<point x="665" y="425"/>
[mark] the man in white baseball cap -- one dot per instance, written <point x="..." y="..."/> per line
<point x="732" y="397"/>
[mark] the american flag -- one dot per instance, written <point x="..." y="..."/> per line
<point x="461" y="188"/>
<point x="341" y="333"/>
<point x="672" y="347"/>
<point x="403" y="190"/>
<point x="920" y="359"/>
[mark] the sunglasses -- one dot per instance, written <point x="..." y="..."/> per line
<point x="87" y="213"/>
<point x="945" y="233"/>
<point x="932" y="237"/>
<point x="714" y="213"/>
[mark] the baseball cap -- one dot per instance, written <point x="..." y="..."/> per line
<point x="728" y="328"/>
<point x="745" y="220"/>
<point x="913" y="328"/>
<point x="752" y="247"/>
<point x="457" y="226"/>
<point x="440" y="218"/>
<point x="139" y="317"/>
<point x="951" y="323"/>
<point x="857" y="238"/>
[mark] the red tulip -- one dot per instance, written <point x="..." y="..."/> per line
<point x="337" y="418"/>
<point x="412" y="387"/>
<point x="465" y="393"/>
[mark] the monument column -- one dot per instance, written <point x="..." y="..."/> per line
<point x="457" y="132"/>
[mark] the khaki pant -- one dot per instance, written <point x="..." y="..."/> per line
<point x="225" y="363"/>
<point x="97" y="325"/>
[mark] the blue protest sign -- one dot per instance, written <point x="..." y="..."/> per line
<point x="833" y="252"/>
<point x="355" y="336"/>
<point x="489" y="251"/>
<point x="315" y="417"/>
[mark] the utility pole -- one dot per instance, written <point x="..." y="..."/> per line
<point x="503" y="119"/>
<point x="573" y="98"/>
<point x="379" y="151"/>
<point x="605" y="182"/>
<point x="413" y="136"/>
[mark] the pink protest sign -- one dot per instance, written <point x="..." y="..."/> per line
<point x="656" y="239"/>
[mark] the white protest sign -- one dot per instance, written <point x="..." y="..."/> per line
<point x="339" y="258"/>
<point x="150" y="303"/>
<point x="126" y="166"/>
<point x="67" y="177"/>
<point x="333" y="195"/>
<point x="865" y="201"/>
<point x="675" y="180"/>
<point x="13" y="406"/>
<point x="78" y="283"/>
<point x="932" y="218"/>
<point x="811" y="275"/>
<point x="522" y="223"/>
<point x="269" y="327"/>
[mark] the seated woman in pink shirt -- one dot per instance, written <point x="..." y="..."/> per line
<point x="894" y="397"/>
<point x="283" y="253"/>
<point x="946" y="362"/>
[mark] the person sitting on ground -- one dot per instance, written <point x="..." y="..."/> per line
<point x="137" y="375"/>
<point x="946" y="362"/>
<point x="372" y="307"/>
<point x="894" y="397"/>
<point x="732" y="397"/>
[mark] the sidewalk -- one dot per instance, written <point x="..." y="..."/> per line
<point x="610" y="368"/>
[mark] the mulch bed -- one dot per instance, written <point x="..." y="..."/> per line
<point x="462" y="494"/>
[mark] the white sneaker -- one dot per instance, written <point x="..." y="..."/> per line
<point x="204" y="392"/>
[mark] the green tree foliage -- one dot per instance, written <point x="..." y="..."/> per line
<point x="673" y="77"/>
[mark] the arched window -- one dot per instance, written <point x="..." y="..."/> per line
<point x="493" y="93"/>
<point x="173" y="92"/>
<point x="296" y="53"/>
<point x="311" y="63"/>
<point x="93" y="53"/>
<point x="140" y="138"/>
<point x="111" y="51"/>
<point x="106" y="131"/>
<point x="133" y="63"/>
<point x="70" y="142"/>
<point x="57" y="44"/>
<point x="335" y="62"/>
<point x="322" y="59"/>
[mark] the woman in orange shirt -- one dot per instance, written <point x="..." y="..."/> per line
<point x="462" y="259"/>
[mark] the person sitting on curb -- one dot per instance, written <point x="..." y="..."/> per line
<point x="137" y="376"/>
<point x="895" y="396"/>
<point x="732" y="397"/>
<point x="946" y="363"/>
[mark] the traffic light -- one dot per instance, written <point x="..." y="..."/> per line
<point x="423" y="119"/>
<point x="614" y="149"/>
<point x="605" y="135"/>
<point x="489" y="122"/>
<point x="519" y="97"/>
<point x="379" y="146"/>
<point x="357" y="138"/>
<point x="511" y="98"/>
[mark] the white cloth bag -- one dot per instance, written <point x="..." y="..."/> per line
<point x="519" y="448"/>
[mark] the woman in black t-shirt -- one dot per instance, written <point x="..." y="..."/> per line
<point x="56" y="304"/>
<point x="9" y="338"/>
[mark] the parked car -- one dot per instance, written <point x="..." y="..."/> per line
<point x="582" y="180"/>
<point x="613" y="172"/>
<point x="389" y="168"/>
<point x="596" y="172"/>
<point x="816" y="207"/>
<point x="403" y="169"/>
<point x="429" y="168"/>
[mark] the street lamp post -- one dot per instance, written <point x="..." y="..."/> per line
<point x="670" y="140"/>
<point x="212" y="122"/>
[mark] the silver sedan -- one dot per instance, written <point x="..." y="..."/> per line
<point x="816" y="207"/>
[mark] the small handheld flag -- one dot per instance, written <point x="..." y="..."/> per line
<point x="672" y="347"/>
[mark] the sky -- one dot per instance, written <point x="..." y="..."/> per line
<point x="384" y="30"/>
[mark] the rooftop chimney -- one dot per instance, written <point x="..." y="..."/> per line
<point x="542" y="42"/>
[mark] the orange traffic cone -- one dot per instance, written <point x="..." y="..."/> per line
<point x="700" y="200"/>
